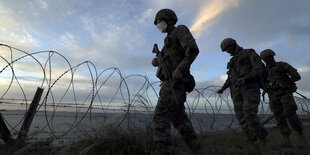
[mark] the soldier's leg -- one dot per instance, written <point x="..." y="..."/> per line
<point x="238" y="108"/>
<point x="289" y="111"/>
<point x="162" y="127"/>
<point x="277" y="109"/>
<point x="185" y="128"/>
<point x="181" y="122"/>
<point x="251" y="98"/>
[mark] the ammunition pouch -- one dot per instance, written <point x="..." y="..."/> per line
<point x="190" y="83"/>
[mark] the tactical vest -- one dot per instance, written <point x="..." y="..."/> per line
<point x="172" y="51"/>
<point x="241" y="65"/>
<point x="173" y="54"/>
<point x="277" y="75"/>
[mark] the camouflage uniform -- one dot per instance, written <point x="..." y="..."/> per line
<point x="280" y="87"/>
<point x="179" y="51"/>
<point x="246" y="64"/>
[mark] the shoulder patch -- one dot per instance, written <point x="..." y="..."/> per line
<point x="249" y="50"/>
<point x="185" y="37"/>
<point x="282" y="63"/>
<point x="182" y="27"/>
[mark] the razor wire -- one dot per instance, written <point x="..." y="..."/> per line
<point x="82" y="98"/>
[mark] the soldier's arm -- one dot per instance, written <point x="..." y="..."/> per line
<point x="229" y="67"/>
<point x="189" y="44"/>
<point x="291" y="71"/>
<point x="226" y="84"/>
<point x="257" y="67"/>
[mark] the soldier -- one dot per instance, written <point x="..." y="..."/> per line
<point x="280" y="86"/>
<point x="245" y="71"/>
<point x="173" y="62"/>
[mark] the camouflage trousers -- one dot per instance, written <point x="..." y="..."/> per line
<point x="283" y="106"/>
<point x="170" y="109"/>
<point x="246" y="102"/>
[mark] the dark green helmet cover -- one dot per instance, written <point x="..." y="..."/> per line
<point x="227" y="42"/>
<point x="166" y="14"/>
<point x="267" y="52"/>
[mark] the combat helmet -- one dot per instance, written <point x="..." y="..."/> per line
<point x="166" y="14"/>
<point x="227" y="42"/>
<point x="267" y="52"/>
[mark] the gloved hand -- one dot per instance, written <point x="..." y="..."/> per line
<point x="177" y="75"/>
<point x="220" y="91"/>
<point x="155" y="62"/>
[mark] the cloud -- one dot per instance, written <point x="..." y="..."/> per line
<point x="138" y="62"/>
<point x="43" y="4"/>
<point x="301" y="29"/>
<point x="68" y="42"/>
<point x="200" y="72"/>
<point x="13" y="32"/>
<point x="112" y="39"/>
<point x="259" y="23"/>
<point x="209" y="12"/>
<point x="121" y="33"/>
<point x="304" y="69"/>
<point x="147" y="16"/>
<point x="218" y="81"/>
<point x="304" y="83"/>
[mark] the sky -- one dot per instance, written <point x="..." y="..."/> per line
<point x="121" y="33"/>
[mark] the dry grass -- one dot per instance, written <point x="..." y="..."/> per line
<point x="136" y="142"/>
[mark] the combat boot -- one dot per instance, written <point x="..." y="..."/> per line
<point x="262" y="145"/>
<point x="286" y="140"/>
<point x="180" y="152"/>
<point x="301" y="138"/>
<point x="196" y="146"/>
<point x="262" y="134"/>
<point x="158" y="152"/>
<point x="261" y="142"/>
<point x="200" y="151"/>
<point x="164" y="149"/>
<point x="252" y="147"/>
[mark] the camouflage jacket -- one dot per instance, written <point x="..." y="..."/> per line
<point x="244" y="64"/>
<point x="281" y="75"/>
<point x="180" y="50"/>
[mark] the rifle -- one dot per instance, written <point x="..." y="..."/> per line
<point x="162" y="72"/>
<point x="303" y="96"/>
<point x="234" y="76"/>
